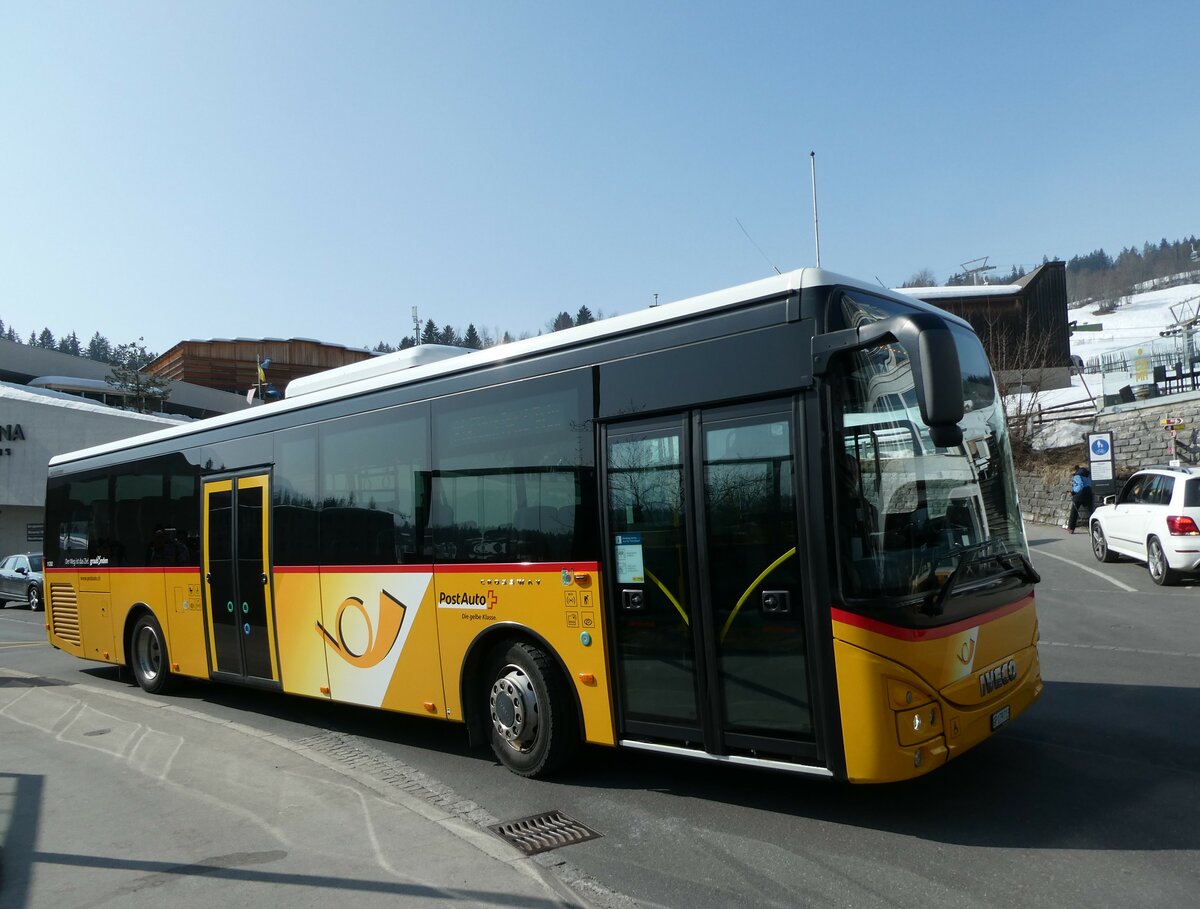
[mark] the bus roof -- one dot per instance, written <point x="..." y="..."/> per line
<point x="408" y="366"/>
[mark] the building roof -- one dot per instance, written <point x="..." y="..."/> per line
<point x="48" y="398"/>
<point x="22" y="364"/>
<point x="968" y="290"/>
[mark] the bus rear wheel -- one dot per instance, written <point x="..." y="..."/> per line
<point x="148" y="656"/>
<point x="533" y="729"/>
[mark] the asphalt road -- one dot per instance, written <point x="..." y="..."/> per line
<point x="1089" y="799"/>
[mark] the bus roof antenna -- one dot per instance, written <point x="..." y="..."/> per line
<point x="816" y="223"/>
<point x="756" y="246"/>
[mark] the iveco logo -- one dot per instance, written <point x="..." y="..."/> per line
<point x="997" y="678"/>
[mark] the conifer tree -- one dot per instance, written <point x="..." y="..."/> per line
<point x="99" y="348"/>
<point x="70" y="344"/>
<point x="142" y="389"/>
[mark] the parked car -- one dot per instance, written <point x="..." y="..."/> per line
<point x="1155" y="519"/>
<point x="21" y="580"/>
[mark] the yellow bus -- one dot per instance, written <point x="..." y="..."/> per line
<point x="774" y="526"/>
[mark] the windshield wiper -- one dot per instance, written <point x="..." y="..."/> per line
<point x="976" y="554"/>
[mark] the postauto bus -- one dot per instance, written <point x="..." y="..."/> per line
<point x="774" y="525"/>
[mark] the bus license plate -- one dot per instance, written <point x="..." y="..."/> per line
<point x="1000" y="717"/>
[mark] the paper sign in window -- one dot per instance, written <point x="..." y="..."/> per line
<point x="630" y="568"/>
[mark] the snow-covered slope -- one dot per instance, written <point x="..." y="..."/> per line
<point x="1142" y="318"/>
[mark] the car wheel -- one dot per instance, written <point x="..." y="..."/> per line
<point x="1156" y="560"/>
<point x="1100" y="545"/>
<point x="533" y="727"/>
<point x="148" y="656"/>
<point x="34" y="596"/>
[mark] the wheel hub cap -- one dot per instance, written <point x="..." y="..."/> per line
<point x="514" y="707"/>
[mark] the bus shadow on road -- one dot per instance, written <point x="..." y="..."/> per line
<point x="1091" y="766"/>
<point x="21" y="796"/>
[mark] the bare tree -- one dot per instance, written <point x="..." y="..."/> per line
<point x="1023" y="366"/>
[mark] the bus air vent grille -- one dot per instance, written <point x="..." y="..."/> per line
<point x="543" y="832"/>
<point x="64" y="613"/>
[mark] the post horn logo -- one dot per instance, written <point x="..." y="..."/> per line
<point x="357" y="649"/>
<point x="966" y="653"/>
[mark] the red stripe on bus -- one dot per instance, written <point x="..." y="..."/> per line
<point x="928" y="634"/>
<point x="352" y="569"/>
<point x="151" y="569"/>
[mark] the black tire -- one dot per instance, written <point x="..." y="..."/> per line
<point x="148" y="656"/>
<point x="1161" y="572"/>
<point x="1100" y="545"/>
<point x="531" y="716"/>
<point x="34" y="597"/>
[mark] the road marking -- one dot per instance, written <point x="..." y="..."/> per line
<point x="1115" y="649"/>
<point x="12" y="645"/>
<point x="1099" y="574"/>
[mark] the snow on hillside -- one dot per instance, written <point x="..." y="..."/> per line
<point x="1137" y="322"/>
<point x="1142" y="318"/>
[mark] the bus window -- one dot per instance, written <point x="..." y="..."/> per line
<point x="513" y="478"/>
<point x="372" y="467"/>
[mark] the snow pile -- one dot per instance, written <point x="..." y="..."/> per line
<point x="1060" y="434"/>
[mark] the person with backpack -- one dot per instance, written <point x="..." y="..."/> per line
<point x="1081" y="496"/>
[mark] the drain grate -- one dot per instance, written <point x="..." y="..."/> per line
<point x="543" y="832"/>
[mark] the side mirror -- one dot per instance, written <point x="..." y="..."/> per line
<point x="21" y="569"/>
<point x="933" y="355"/>
<point x="1110" y="500"/>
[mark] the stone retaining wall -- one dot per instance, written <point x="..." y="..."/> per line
<point x="1043" y="497"/>
<point x="1139" y="440"/>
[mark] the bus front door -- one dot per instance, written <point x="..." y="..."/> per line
<point x="709" y="625"/>
<point x="237" y="578"/>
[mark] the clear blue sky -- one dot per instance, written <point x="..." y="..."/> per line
<point x="220" y="169"/>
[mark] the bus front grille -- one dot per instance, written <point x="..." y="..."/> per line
<point x="64" y="613"/>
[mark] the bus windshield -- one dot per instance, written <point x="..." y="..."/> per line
<point x="916" y="520"/>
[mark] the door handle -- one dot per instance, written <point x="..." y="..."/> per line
<point x="633" y="600"/>
<point x="776" y="602"/>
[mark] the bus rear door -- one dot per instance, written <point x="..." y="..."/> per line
<point x="239" y="613"/>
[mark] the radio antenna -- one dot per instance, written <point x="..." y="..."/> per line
<point x="756" y="246"/>
<point x="816" y="224"/>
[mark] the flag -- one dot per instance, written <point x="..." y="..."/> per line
<point x="262" y="376"/>
<point x="250" y="395"/>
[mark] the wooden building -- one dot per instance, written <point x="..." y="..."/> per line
<point x="1023" y="326"/>
<point x="232" y="364"/>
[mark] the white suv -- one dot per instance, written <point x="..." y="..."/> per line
<point x="1155" y="519"/>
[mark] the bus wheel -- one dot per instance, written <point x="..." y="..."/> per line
<point x="148" y="656"/>
<point x="532" y="724"/>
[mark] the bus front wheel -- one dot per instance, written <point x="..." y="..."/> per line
<point x="532" y="724"/>
<point x="148" y="656"/>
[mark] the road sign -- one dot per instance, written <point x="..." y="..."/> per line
<point x="1101" y="462"/>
